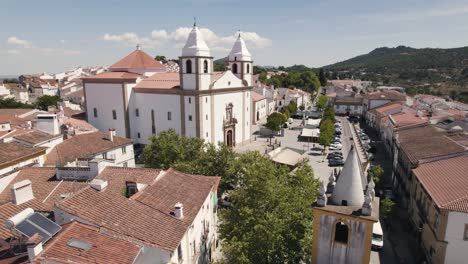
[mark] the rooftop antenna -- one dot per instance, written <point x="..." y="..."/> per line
<point x="194" y="21"/>
<point x="238" y="33"/>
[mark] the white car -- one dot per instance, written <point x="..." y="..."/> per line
<point x="377" y="236"/>
<point x="336" y="145"/>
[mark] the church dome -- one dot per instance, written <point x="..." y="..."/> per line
<point x="239" y="51"/>
<point x="195" y="45"/>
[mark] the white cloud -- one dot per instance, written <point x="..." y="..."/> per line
<point x="24" y="44"/>
<point x="159" y="38"/>
<point x="19" y="42"/>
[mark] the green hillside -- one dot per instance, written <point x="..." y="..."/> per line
<point x="435" y="71"/>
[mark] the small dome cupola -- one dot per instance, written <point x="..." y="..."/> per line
<point x="195" y="45"/>
<point x="239" y="51"/>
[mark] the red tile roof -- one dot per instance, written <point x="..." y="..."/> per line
<point x="138" y="60"/>
<point x="446" y="181"/>
<point x="147" y="215"/>
<point x="408" y="119"/>
<point x="113" y="75"/>
<point x="46" y="190"/>
<point x="426" y="143"/>
<point x="388" y="107"/>
<point x="35" y="137"/>
<point x="386" y="95"/>
<point x="83" y="146"/>
<point x="105" y="248"/>
<point x="12" y="153"/>
<point x="257" y="97"/>
<point x="167" y="80"/>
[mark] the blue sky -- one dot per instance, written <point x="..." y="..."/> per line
<point x="57" y="35"/>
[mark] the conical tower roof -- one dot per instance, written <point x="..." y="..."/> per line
<point x="138" y="60"/>
<point x="349" y="185"/>
<point x="239" y="51"/>
<point x="195" y="45"/>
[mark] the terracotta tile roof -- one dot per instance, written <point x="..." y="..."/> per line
<point x="46" y="190"/>
<point x="446" y="182"/>
<point x="83" y="147"/>
<point x="257" y="97"/>
<point x="407" y="119"/>
<point x="388" y="107"/>
<point x="35" y="137"/>
<point x="105" y="248"/>
<point x="425" y="143"/>
<point x="14" y="112"/>
<point x="386" y="95"/>
<point x="13" y="152"/>
<point x="349" y="100"/>
<point x="137" y="60"/>
<point x="167" y="80"/>
<point x="147" y="215"/>
<point x="216" y="76"/>
<point x="113" y="75"/>
<point x="15" y="86"/>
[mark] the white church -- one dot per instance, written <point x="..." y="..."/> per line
<point x="139" y="99"/>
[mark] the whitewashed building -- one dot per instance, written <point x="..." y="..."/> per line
<point x="139" y="98"/>
<point x="260" y="108"/>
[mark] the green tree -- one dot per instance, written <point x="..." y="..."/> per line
<point x="329" y="114"/>
<point x="327" y="130"/>
<point x="321" y="102"/>
<point x="292" y="107"/>
<point x="12" y="103"/>
<point x="219" y="67"/>
<point x="11" y="80"/>
<point x="43" y="102"/>
<point x="262" y="77"/>
<point x="376" y="174"/>
<point x="275" y="121"/>
<point x="386" y="208"/>
<point x="322" y="78"/>
<point x="270" y="218"/>
<point x="192" y="155"/>
<point x="161" y="58"/>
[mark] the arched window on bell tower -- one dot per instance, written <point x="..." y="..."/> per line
<point x="341" y="232"/>
<point x="248" y="68"/>
<point x="234" y="68"/>
<point x="205" y="66"/>
<point x="188" y="66"/>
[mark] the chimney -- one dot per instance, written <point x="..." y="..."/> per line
<point x="22" y="192"/>
<point x="111" y="134"/>
<point x="34" y="245"/>
<point x="179" y="210"/>
<point x="98" y="184"/>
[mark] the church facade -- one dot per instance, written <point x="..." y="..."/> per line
<point x="139" y="99"/>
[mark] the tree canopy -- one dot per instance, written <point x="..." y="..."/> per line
<point x="321" y="102"/>
<point x="329" y="113"/>
<point x="43" y="102"/>
<point x="327" y="130"/>
<point x="322" y="78"/>
<point x="12" y="103"/>
<point x="306" y="80"/>
<point x="270" y="220"/>
<point x="161" y="58"/>
<point x="292" y="107"/>
<point x="275" y="120"/>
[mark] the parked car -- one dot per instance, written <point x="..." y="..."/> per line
<point x="371" y="156"/>
<point x="388" y="193"/>
<point x="334" y="163"/>
<point x="334" y="154"/>
<point x="338" y="132"/>
<point x="290" y="120"/>
<point x="377" y="236"/>
<point x="335" y="147"/>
